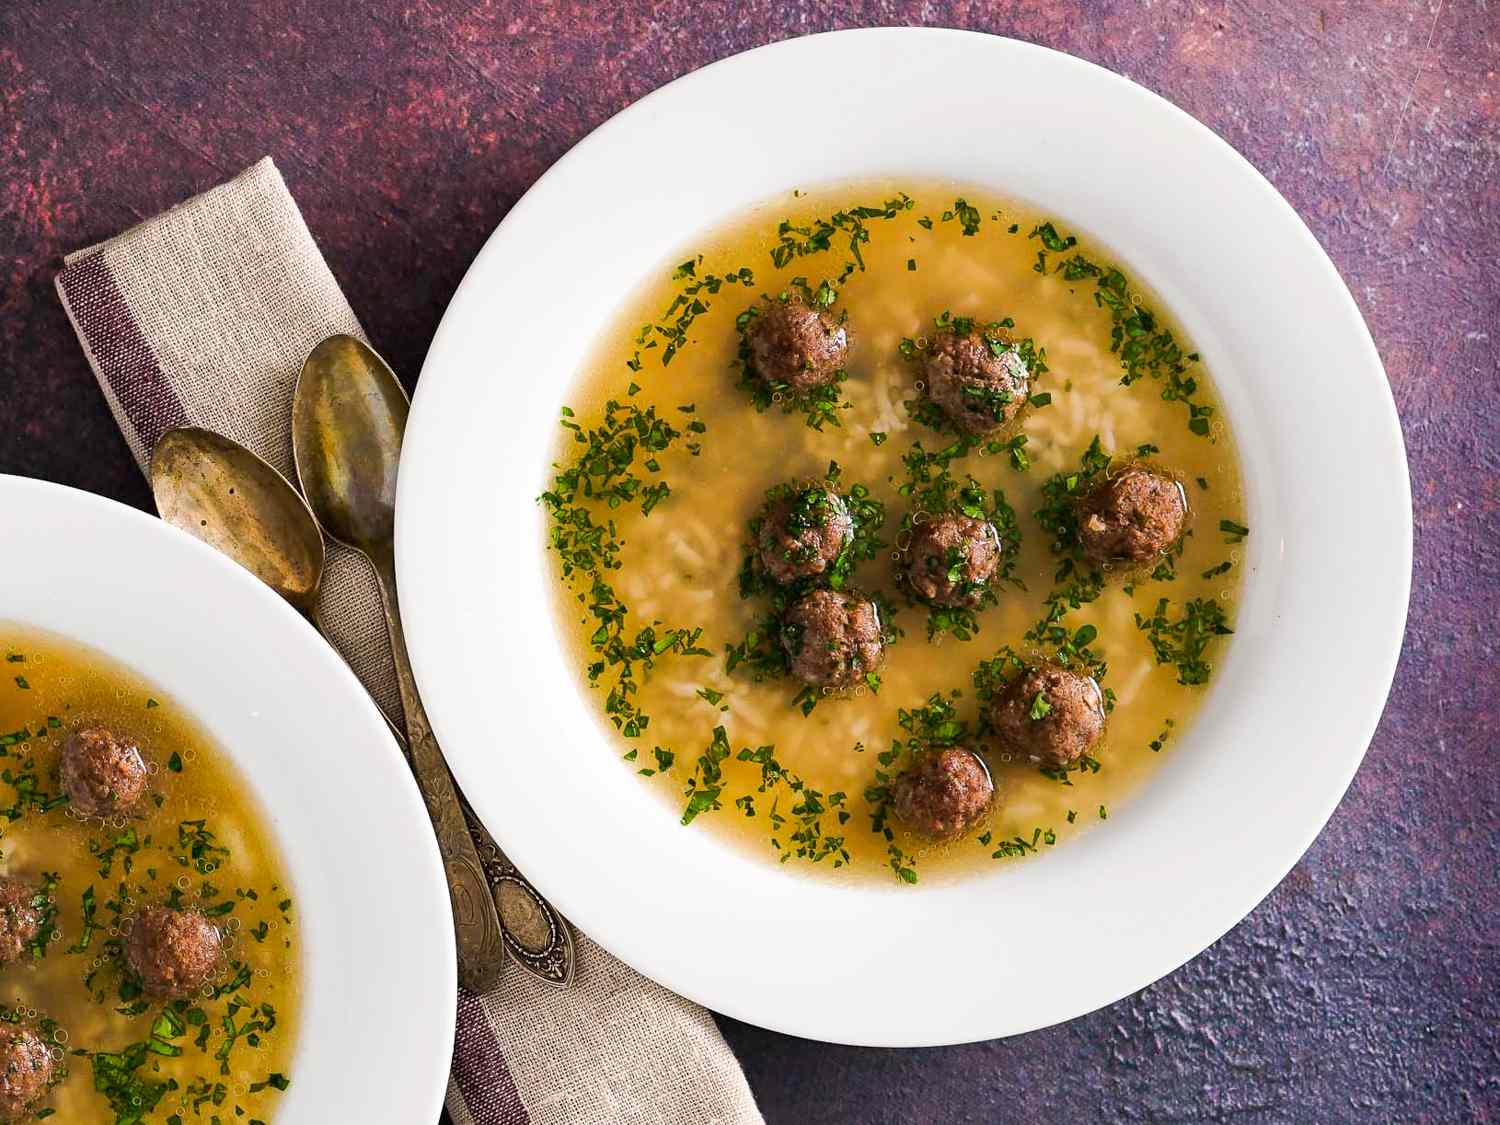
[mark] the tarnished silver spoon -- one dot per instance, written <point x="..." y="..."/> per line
<point x="348" y="420"/>
<point x="214" y="488"/>
<point x="217" y="490"/>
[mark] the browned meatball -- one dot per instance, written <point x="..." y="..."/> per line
<point x="832" y="638"/>
<point x="796" y="346"/>
<point x="944" y="794"/>
<point x="978" y="379"/>
<point x="173" y="952"/>
<point x="952" y="558"/>
<point x="25" y="1070"/>
<point x="102" y="773"/>
<point x="1132" y="517"/>
<point x="1049" y="715"/>
<point x="20" y="917"/>
<point x="803" y="534"/>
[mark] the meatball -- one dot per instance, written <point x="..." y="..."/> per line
<point x="803" y="534"/>
<point x="951" y="559"/>
<point x="102" y="773"/>
<point x="944" y="794"/>
<point x="796" y="346"/>
<point x="25" y="1070"/>
<point x="1132" y="517"/>
<point x="832" y="638"/>
<point x="978" y="379"/>
<point x="1049" y="715"/>
<point x="173" y="952"/>
<point x="20" y="917"/>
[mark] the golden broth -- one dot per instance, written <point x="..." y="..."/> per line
<point x="67" y="686"/>
<point x="679" y="564"/>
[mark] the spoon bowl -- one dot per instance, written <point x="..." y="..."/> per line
<point x="220" y="492"/>
<point x="348" y="417"/>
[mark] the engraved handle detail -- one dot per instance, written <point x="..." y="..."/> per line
<point x="536" y="935"/>
<point x="476" y="921"/>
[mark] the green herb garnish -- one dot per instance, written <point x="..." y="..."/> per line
<point x="1184" y="641"/>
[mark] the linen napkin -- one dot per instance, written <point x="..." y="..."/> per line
<point x="203" y="316"/>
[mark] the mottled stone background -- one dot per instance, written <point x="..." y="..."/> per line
<point x="1367" y="987"/>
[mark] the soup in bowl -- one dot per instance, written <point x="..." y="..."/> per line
<point x="896" y="531"/>
<point x="149" y="931"/>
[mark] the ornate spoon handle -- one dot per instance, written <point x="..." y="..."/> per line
<point x="537" y="936"/>
<point x="476" y="922"/>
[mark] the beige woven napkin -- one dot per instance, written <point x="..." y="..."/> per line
<point x="203" y="316"/>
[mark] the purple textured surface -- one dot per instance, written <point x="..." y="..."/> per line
<point x="1367" y="986"/>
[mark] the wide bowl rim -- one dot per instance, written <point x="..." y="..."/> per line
<point x="434" y="611"/>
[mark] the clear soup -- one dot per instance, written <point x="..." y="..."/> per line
<point x="809" y="788"/>
<point x="197" y="839"/>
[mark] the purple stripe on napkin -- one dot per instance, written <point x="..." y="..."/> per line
<point x="120" y="349"/>
<point x="479" y="1070"/>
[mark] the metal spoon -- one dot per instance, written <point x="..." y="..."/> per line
<point x="348" y="419"/>
<point x="215" y="489"/>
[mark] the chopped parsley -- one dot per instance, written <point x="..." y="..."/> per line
<point x="44" y="902"/>
<point x="1185" y="640"/>
<point x="198" y="847"/>
<point x="117" y="1076"/>
<point x="123" y="846"/>
<point x="1160" y="740"/>
<point x="847" y="227"/>
<point x="1147" y="349"/>
<point x="602" y="475"/>
<point x="809" y="838"/>
<point x="670" y="331"/>
<point x="26" y="778"/>
<point x="90" y="908"/>
<point x="966" y="214"/>
<point x="1018" y="845"/>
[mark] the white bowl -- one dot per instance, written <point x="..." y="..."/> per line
<point x="1244" y="791"/>
<point x="379" y="977"/>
